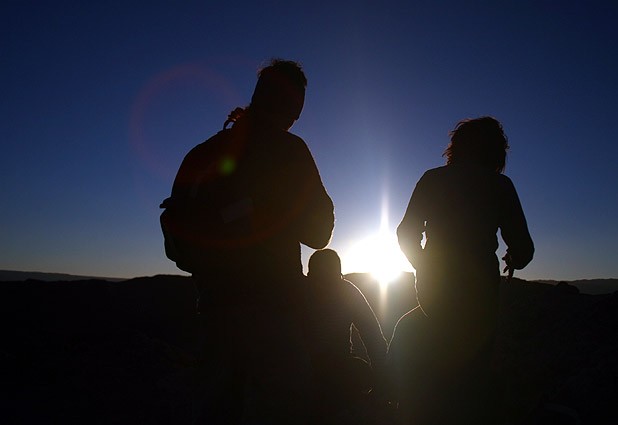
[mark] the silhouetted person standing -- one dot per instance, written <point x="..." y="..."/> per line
<point x="259" y="196"/>
<point x="440" y="350"/>
<point x="334" y="306"/>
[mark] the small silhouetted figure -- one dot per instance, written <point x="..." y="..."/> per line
<point x="259" y="195"/>
<point x="440" y="351"/>
<point x="335" y="305"/>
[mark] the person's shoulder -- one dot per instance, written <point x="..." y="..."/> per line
<point x="349" y="285"/>
<point x="209" y="143"/>
<point x="503" y="178"/>
<point x="293" y="140"/>
<point x="351" y="290"/>
<point x="215" y="139"/>
<point x="433" y="174"/>
<point x="294" y="148"/>
<point x="504" y="181"/>
<point x="407" y="326"/>
<point x="436" y="171"/>
<point x="292" y="137"/>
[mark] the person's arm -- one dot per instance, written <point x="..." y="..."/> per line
<point x="410" y="230"/>
<point x="368" y="326"/>
<point x="317" y="218"/>
<point x="514" y="229"/>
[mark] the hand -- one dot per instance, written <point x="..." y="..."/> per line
<point x="509" y="267"/>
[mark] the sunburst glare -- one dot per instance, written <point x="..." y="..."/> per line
<point x="379" y="255"/>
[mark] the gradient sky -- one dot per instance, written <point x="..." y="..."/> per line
<point x="101" y="101"/>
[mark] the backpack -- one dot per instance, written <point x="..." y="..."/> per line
<point x="176" y="220"/>
<point x="202" y="224"/>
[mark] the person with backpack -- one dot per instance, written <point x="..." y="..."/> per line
<point x="242" y="204"/>
<point x="440" y="352"/>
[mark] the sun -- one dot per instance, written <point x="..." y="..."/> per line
<point x="378" y="254"/>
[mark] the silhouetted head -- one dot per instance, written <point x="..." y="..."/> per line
<point x="279" y="94"/>
<point x="480" y="141"/>
<point x="324" y="264"/>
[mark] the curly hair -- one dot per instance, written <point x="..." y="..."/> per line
<point x="479" y="140"/>
<point x="291" y="70"/>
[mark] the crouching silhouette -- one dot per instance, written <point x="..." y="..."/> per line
<point x="342" y="380"/>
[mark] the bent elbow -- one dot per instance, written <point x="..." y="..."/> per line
<point x="522" y="257"/>
<point x="526" y="260"/>
<point x="317" y="229"/>
<point x="316" y="243"/>
<point x="318" y="239"/>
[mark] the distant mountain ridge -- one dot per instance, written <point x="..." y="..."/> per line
<point x="588" y="286"/>
<point x="585" y="286"/>
<point x="17" y="276"/>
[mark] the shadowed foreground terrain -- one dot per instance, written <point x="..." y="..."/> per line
<point x="101" y="352"/>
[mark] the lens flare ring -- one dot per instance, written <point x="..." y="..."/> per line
<point x="143" y="119"/>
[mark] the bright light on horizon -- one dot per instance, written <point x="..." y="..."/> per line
<point x="377" y="254"/>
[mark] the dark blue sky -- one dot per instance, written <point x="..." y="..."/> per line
<point x="100" y="102"/>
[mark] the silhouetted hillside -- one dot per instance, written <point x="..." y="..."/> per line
<point x="589" y="286"/>
<point x="15" y="276"/>
<point x="125" y="352"/>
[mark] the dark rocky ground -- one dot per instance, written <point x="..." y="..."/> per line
<point x="101" y="352"/>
